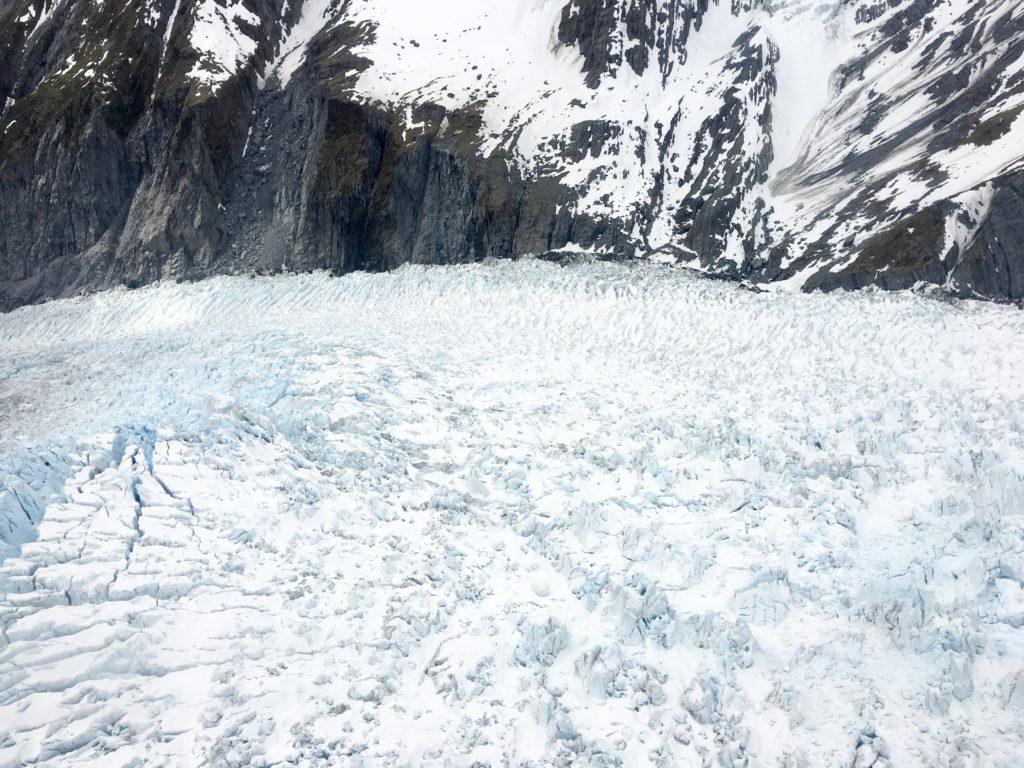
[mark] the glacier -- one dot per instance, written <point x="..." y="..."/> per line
<point x="511" y="513"/>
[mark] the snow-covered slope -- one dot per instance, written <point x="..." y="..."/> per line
<point x="820" y="143"/>
<point x="511" y="514"/>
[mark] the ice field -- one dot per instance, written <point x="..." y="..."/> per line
<point x="511" y="514"/>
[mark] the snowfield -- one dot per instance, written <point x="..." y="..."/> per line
<point x="511" y="514"/>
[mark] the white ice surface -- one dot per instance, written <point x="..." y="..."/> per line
<point x="505" y="513"/>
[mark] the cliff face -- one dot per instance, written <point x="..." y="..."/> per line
<point x="830" y="144"/>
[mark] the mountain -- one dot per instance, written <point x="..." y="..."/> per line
<point x="510" y="515"/>
<point x="814" y="143"/>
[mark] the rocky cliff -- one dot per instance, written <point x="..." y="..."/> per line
<point x="820" y="143"/>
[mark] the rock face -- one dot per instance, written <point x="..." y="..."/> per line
<point x="825" y="143"/>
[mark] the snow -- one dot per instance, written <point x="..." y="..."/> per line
<point x="833" y="138"/>
<point x="505" y="59"/>
<point x="292" y="51"/>
<point x="971" y="165"/>
<point x="813" y="39"/>
<point x="511" y="512"/>
<point x="902" y="84"/>
<point x="166" y="42"/>
<point x="506" y="49"/>
<point x="47" y="12"/>
<point x="219" y="40"/>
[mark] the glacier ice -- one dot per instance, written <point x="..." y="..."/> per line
<point x="511" y="514"/>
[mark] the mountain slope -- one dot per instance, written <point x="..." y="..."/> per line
<point x="818" y="143"/>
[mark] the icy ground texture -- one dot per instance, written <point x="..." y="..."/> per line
<point x="512" y="514"/>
